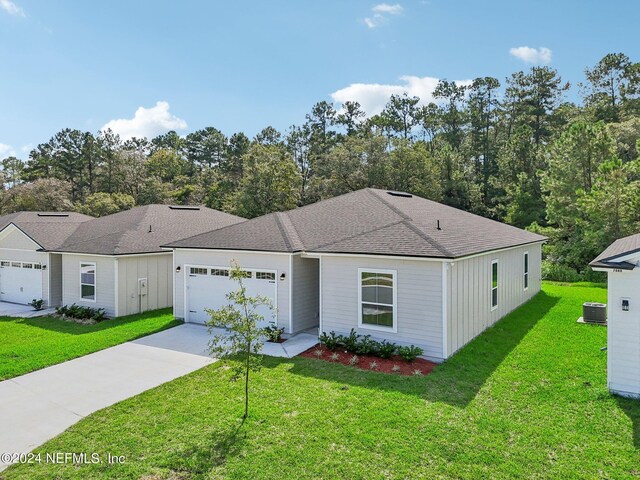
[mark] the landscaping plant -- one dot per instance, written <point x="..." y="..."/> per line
<point x="274" y="333"/>
<point x="410" y="353"/>
<point x="330" y="340"/>
<point x="244" y="339"/>
<point x="37" y="304"/>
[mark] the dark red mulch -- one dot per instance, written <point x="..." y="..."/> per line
<point x="365" y="361"/>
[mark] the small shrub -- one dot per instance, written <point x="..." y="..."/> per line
<point x="353" y="360"/>
<point x="318" y="352"/>
<point x="334" y="357"/>
<point x="350" y="342"/>
<point x="396" y="368"/>
<point x="417" y="372"/>
<point x="373" y="365"/>
<point x="37" y="304"/>
<point x="79" y="312"/>
<point x="330" y="340"/>
<point x="274" y="333"/>
<point x="409" y="354"/>
<point x="366" y="346"/>
<point x="386" y="349"/>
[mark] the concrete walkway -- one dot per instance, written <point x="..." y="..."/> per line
<point x="23" y="311"/>
<point x="40" y="405"/>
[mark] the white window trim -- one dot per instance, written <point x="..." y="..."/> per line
<point x="366" y="326"/>
<point x="526" y="272"/>
<point x="95" y="282"/>
<point x="497" y="287"/>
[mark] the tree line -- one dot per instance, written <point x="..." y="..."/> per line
<point x="515" y="151"/>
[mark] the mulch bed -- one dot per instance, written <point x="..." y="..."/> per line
<point x="364" y="361"/>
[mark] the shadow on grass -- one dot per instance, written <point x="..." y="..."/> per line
<point x="72" y="328"/>
<point x="456" y="381"/>
<point x="219" y="447"/>
<point x="631" y="407"/>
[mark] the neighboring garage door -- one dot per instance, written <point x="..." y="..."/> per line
<point x="20" y="282"/>
<point x="207" y="288"/>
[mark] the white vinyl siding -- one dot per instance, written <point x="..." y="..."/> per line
<point x="157" y="269"/>
<point x="419" y="299"/>
<point x="105" y="282"/>
<point x="248" y="260"/>
<point x="623" y="332"/>
<point x="54" y="274"/>
<point x="469" y="310"/>
<point x="305" y="293"/>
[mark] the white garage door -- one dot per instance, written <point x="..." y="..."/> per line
<point x="20" y="282"/>
<point x="207" y="288"/>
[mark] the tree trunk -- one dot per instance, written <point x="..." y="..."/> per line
<point x="246" y="383"/>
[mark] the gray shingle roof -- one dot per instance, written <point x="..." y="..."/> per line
<point x="144" y="229"/>
<point x="368" y="221"/>
<point x="619" y="248"/>
<point x="47" y="229"/>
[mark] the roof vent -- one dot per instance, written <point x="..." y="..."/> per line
<point x="399" y="194"/>
<point x="183" y="207"/>
<point x="53" y="214"/>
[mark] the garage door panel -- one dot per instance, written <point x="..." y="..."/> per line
<point x="207" y="288"/>
<point x="20" y="282"/>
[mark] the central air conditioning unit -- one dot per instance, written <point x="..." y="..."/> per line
<point x="593" y="312"/>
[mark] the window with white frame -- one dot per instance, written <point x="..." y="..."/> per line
<point x="220" y="272"/>
<point x="265" y="276"/>
<point x="526" y="270"/>
<point x="377" y="298"/>
<point x="494" y="284"/>
<point x="198" y="271"/>
<point x="88" y="281"/>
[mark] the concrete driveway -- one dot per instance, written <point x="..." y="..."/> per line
<point x="23" y="311"/>
<point x="40" y="405"/>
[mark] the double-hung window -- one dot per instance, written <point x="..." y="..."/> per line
<point x="378" y="301"/>
<point x="526" y="270"/>
<point x="88" y="281"/>
<point x="494" y="284"/>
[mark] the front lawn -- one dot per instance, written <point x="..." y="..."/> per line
<point x="526" y="399"/>
<point x="28" y="344"/>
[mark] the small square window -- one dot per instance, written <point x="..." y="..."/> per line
<point x="265" y="276"/>
<point x="4" y="263"/>
<point x="220" y="272"/>
<point x="16" y="264"/>
<point x="198" y="271"/>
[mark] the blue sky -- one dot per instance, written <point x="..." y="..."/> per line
<point x="243" y="65"/>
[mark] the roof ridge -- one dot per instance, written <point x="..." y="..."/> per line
<point x="408" y="221"/>
<point x="291" y="229"/>
<point x="283" y="232"/>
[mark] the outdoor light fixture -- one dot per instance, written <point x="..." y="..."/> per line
<point x="178" y="268"/>
<point x="282" y="276"/>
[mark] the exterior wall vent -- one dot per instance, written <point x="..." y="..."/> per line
<point x="53" y="214"/>
<point x="183" y="207"/>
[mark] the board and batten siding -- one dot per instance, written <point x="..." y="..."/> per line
<point x="221" y="258"/>
<point x="305" y="303"/>
<point x="419" y="300"/>
<point x="17" y="246"/>
<point x="469" y="282"/>
<point x="55" y="279"/>
<point x="623" y="331"/>
<point x="105" y="282"/>
<point x="157" y="269"/>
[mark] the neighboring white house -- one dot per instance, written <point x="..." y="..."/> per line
<point x="388" y="264"/>
<point x="28" y="271"/>
<point x="116" y="263"/>
<point x="621" y="261"/>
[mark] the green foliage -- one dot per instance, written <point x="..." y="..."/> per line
<point x="80" y="312"/>
<point x="386" y="349"/>
<point x="37" y="304"/>
<point x="330" y="340"/>
<point x="350" y="342"/>
<point x="243" y="338"/>
<point x="101" y="204"/>
<point x="410" y="353"/>
<point x="274" y="333"/>
<point x="366" y="346"/>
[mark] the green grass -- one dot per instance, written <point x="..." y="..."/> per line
<point x="528" y="398"/>
<point x="28" y="344"/>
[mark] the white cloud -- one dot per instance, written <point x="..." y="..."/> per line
<point x="147" y="122"/>
<point x="532" y="55"/>
<point x="372" y="97"/>
<point x="381" y="12"/>
<point x="11" y="8"/>
<point x="6" y="151"/>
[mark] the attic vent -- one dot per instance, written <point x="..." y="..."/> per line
<point x="399" y="194"/>
<point x="183" y="207"/>
<point x="53" y="214"/>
